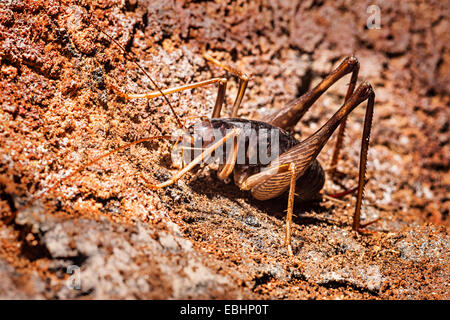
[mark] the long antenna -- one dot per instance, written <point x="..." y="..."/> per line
<point x="132" y="58"/>
<point x="80" y="169"/>
<point x="90" y="162"/>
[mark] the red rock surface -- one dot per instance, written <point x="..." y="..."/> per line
<point x="204" y="239"/>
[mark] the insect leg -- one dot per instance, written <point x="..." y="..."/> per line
<point x="363" y="161"/>
<point x="150" y="95"/>
<point x="206" y="153"/>
<point x="341" y="131"/>
<point x="288" y="169"/>
<point x="228" y="167"/>
<point x="270" y="182"/>
<point x="288" y="117"/>
<point x="243" y="81"/>
<point x="290" y="209"/>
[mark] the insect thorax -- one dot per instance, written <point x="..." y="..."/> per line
<point x="259" y="143"/>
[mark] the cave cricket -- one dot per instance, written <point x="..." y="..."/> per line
<point x="292" y="169"/>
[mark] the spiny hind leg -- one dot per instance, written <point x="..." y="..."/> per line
<point x="288" y="170"/>
<point x="303" y="154"/>
<point x="363" y="163"/>
<point x="304" y="193"/>
<point x="290" y="209"/>
<point x="293" y="112"/>
<point x="341" y="131"/>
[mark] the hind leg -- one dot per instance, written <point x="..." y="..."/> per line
<point x="288" y="116"/>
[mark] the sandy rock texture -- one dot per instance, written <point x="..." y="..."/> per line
<point x="104" y="234"/>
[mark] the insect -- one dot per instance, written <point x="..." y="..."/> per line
<point x="293" y="168"/>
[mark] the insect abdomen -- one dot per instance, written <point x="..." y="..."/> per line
<point x="310" y="183"/>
